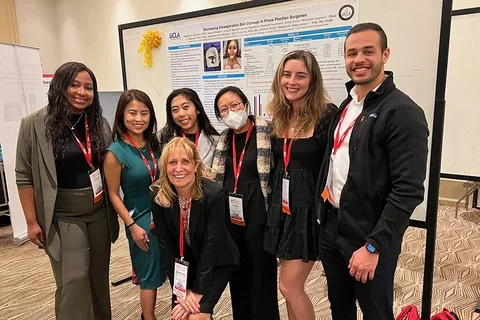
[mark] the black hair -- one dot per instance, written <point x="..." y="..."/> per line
<point x="119" y="128"/>
<point x="233" y="89"/>
<point x="370" y="26"/>
<point x="58" y="109"/>
<point x="171" y="129"/>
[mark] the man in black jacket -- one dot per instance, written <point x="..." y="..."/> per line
<point x="370" y="182"/>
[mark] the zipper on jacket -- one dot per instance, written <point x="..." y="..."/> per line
<point x="356" y="130"/>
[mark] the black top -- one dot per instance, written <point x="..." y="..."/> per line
<point x="248" y="183"/>
<point x="191" y="136"/>
<point x="211" y="243"/>
<point x="72" y="170"/>
<point x="388" y="156"/>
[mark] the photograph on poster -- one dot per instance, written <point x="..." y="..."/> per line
<point x="211" y="54"/>
<point x="232" y="54"/>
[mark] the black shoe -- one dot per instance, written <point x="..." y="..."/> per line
<point x="142" y="317"/>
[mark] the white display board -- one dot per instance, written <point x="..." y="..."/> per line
<point x="461" y="141"/>
<point x="21" y="92"/>
<point x="268" y="32"/>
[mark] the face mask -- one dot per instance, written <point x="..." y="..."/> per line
<point x="236" y="119"/>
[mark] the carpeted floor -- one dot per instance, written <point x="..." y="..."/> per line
<point x="27" y="285"/>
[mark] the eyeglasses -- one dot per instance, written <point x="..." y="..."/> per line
<point x="234" y="106"/>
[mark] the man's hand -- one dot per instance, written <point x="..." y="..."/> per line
<point x="362" y="264"/>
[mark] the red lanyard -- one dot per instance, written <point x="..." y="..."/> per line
<point x="182" y="225"/>
<point x="86" y="151"/>
<point x="197" y="135"/>
<point x="339" y="139"/>
<point x="236" y="170"/>
<point x="153" y="174"/>
<point x="287" y="151"/>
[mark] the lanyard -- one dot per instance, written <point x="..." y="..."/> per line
<point x="182" y="226"/>
<point x="197" y="135"/>
<point x="88" y="150"/>
<point x="287" y="151"/>
<point x="153" y="174"/>
<point x="237" y="169"/>
<point x="339" y="139"/>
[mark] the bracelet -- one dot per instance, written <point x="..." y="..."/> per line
<point x="131" y="224"/>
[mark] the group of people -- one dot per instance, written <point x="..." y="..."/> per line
<point x="205" y="209"/>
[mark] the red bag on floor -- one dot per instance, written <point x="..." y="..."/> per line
<point x="410" y="312"/>
<point x="445" y="315"/>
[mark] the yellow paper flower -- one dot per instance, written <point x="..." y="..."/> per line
<point x="151" y="40"/>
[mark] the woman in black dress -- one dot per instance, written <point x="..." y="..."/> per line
<point x="188" y="210"/>
<point x="301" y="116"/>
<point x="242" y="165"/>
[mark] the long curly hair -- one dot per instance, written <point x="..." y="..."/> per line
<point x="58" y="109"/>
<point x="171" y="129"/>
<point x="119" y="128"/>
<point x="314" y="102"/>
<point x="166" y="191"/>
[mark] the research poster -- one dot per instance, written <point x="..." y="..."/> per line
<point x="245" y="51"/>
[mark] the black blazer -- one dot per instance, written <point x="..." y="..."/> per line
<point x="211" y="243"/>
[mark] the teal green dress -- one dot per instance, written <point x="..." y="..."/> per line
<point x="135" y="182"/>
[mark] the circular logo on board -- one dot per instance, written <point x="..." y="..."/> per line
<point x="346" y="12"/>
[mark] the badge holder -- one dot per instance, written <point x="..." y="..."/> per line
<point x="97" y="185"/>
<point x="286" y="194"/>
<point x="235" y="202"/>
<point x="180" y="278"/>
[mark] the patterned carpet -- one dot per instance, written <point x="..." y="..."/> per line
<point x="27" y="285"/>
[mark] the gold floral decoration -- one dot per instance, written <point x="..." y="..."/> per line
<point x="151" y="40"/>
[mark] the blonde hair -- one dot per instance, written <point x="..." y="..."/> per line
<point x="314" y="102"/>
<point x="166" y="194"/>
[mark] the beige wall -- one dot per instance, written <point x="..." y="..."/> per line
<point x="88" y="30"/>
<point x="8" y="22"/>
<point x="37" y="27"/>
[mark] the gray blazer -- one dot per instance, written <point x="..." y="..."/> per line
<point x="35" y="168"/>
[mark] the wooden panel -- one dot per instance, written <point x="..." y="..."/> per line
<point x="8" y="22"/>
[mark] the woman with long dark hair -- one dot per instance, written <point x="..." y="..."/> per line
<point x="131" y="163"/>
<point x="186" y="117"/>
<point x="60" y="151"/>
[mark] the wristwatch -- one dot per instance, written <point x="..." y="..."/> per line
<point x="370" y="248"/>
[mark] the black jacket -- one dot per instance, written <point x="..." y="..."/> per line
<point x="388" y="156"/>
<point x="211" y="243"/>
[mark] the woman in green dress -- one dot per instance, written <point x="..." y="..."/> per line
<point x="131" y="163"/>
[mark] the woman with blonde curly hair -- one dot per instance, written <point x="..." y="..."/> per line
<point x="189" y="213"/>
<point x="301" y="115"/>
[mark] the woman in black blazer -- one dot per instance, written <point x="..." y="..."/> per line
<point x="186" y="202"/>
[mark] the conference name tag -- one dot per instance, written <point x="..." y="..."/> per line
<point x="97" y="185"/>
<point x="180" y="279"/>
<point x="286" y="195"/>
<point x="235" y="202"/>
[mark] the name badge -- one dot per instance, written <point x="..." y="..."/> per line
<point x="327" y="193"/>
<point x="235" y="202"/>
<point x="286" y="195"/>
<point x="97" y="185"/>
<point x="180" y="279"/>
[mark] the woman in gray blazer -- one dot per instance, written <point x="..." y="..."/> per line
<point x="60" y="151"/>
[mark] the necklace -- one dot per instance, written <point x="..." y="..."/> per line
<point x="73" y="127"/>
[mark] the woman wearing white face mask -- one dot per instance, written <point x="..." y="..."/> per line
<point x="242" y="164"/>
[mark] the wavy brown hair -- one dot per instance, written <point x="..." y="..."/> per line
<point x="58" y="110"/>
<point x="314" y="102"/>
<point x="166" y="191"/>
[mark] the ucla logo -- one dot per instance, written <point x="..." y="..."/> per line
<point x="174" y="35"/>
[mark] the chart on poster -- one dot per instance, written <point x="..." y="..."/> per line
<point x="245" y="51"/>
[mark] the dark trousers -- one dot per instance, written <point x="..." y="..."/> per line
<point x="253" y="286"/>
<point x="375" y="296"/>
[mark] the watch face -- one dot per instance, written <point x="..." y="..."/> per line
<point x="371" y="248"/>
